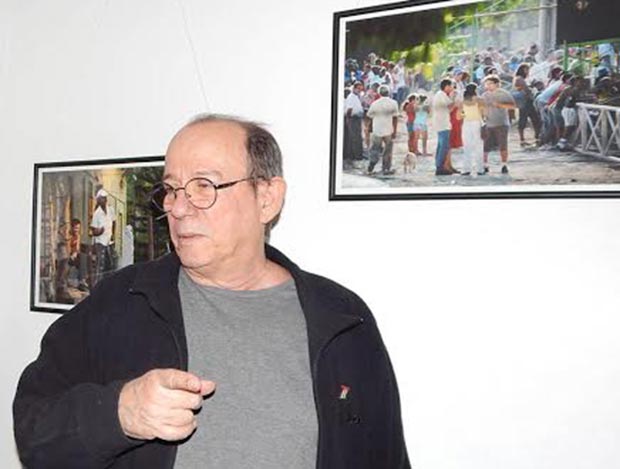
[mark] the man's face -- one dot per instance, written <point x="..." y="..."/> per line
<point x="75" y="228"/>
<point x="229" y="231"/>
<point x="490" y="85"/>
<point x="358" y="89"/>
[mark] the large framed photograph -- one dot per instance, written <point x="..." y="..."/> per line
<point x="91" y="218"/>
<point x="476" y="99"/>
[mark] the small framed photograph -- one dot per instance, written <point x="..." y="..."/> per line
<point x="91" y="218"/>
<point x="476" y="99"/>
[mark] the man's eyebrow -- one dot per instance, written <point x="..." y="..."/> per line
<point x="208" y="173"/>
<point x="200" y="173"/>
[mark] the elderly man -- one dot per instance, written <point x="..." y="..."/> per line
<point x="384" y="115"/>
<point x="223" y="354"/>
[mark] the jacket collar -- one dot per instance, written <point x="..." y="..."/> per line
<point x="325" y="309"/>
<point x="158" y="281"/>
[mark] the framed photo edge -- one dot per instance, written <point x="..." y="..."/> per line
<point x="332" y="189"/>
<point x="37" y="167"/>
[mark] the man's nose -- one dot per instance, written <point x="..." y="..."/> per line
<point x="181" y="205"/>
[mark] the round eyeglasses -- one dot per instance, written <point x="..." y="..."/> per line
<point x="200" y="192"/>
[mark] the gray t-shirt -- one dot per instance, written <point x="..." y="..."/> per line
<point x="254" y="345"/>
<point x="495" y="116"/>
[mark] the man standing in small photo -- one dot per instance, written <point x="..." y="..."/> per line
<point x="102" y="228"/>
<point x="399" y="81"/>
<point x="497" y="103"/>
<point x="384" y="114"/>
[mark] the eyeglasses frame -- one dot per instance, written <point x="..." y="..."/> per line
<point x="216" y="187"/>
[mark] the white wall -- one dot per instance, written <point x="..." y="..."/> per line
<point x="501" y="316"/>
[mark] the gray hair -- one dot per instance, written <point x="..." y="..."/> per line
<point x="264" y="158"/>
<point x="384" y="90"/>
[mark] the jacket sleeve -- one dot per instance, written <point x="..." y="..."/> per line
<point x="63" y="417"/>
<point x="398" y="456"/>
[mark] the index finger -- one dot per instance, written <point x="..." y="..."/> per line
<point x="180" y="380"/>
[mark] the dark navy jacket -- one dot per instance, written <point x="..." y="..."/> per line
<point x="65" y="409"/>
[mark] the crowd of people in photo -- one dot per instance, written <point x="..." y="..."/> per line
<point x="473" y="104"/>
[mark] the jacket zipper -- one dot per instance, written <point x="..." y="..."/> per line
<point x="176" y="344"/>
<point x="168" y="328"/>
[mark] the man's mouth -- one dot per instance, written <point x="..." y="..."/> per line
<point x="188" y="237"/>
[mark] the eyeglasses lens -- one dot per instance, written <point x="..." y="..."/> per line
<point x="199" y="192"/>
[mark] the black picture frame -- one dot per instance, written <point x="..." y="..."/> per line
<point x="590" y="168"/>
<point x="65" y="263"/>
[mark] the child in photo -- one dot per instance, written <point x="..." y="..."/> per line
<point x="409" y="107"/>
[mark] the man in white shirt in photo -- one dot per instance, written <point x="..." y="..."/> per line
<point x="102" y="228"/>
<point x="384" y="115"/>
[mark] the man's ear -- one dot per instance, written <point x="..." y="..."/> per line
<point x="271" y="195"/>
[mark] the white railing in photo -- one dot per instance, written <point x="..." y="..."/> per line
<point x="599" y="130"/>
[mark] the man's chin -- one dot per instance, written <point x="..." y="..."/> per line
<point x="192" y="257"/>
